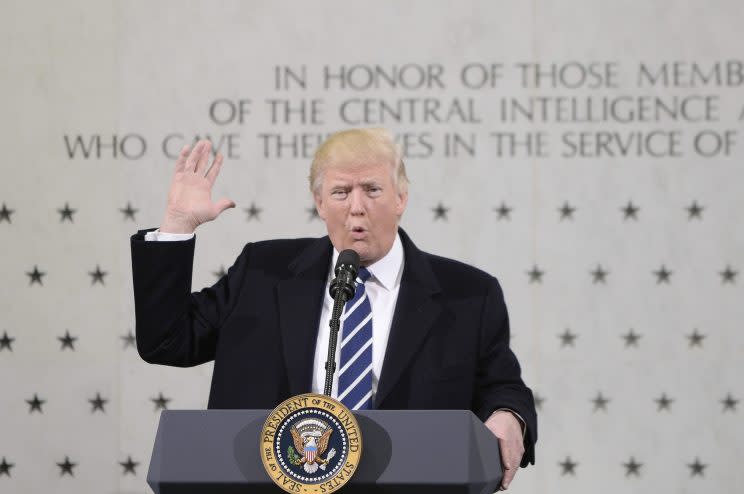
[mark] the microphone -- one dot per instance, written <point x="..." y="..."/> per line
<point x="347" y="267"/>
<point x="342" y="290"/>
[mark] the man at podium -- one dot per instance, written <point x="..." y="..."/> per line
<point x="422" y="332"/>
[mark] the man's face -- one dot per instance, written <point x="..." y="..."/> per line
<point x="361" y="207"/>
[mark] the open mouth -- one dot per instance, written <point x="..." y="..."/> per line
<point x="358" y="233"/>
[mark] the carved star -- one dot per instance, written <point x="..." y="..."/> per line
<point x="129" y="466"/>
<point x="97" y="276"/>
<point x="599" y="274"/>
<point x="5" y="213"/>
<point x="535" y="274"/>
<point x="253" y="212"/>
<point x="68" y="341"/>
<point x="129" y="339"/>
<point x="161" y="402"/>
<point x="632" y="467"/>
<point x="600" y="402"/>
<point x="503" y="211"/>
<point x="662" y="275"/>
<point x="6" y="342"/>
<point x="694" y="210"/>
<point x="97" y="403"/>
<point x="5" y="467"/>
<point x="440" y="212"/>
<point x="566" y="211"/>
<point x="663" y="402"/>
<point x="220" y="272"/>
<point x="696" y="338"/>
<point x="728" y="275"/>
<point x="129" y="212"/>
<point x="729" y="403"/>
<point x="66" y="213"/>
<point x="35" y="404"/>
<point x="630" y="211"/>
<point x="567" y="338"/>
<point x="313" y="212"/>
<point x="568" y="466"/>
<point x="697" y="468"/>
<point x="66" y="467"/>
<point x="631" y="338"/>
<point x="35" y="276"/>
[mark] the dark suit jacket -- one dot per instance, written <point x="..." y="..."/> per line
<point x="448" y="346"/>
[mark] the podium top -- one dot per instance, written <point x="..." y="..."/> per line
<point x="217" y="451"/>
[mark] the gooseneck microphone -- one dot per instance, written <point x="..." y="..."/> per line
<point x="342" y="290"/>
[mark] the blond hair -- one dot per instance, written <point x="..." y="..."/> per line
<point x="358" y="146"/>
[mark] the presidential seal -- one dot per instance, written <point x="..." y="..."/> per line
<point x="311" y="443"/>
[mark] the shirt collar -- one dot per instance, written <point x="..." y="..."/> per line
<point x="388" y="270"/>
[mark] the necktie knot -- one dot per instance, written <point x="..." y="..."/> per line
<point x="364" y="275"/>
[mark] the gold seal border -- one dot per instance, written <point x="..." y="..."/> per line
<point x="300" y="402"/>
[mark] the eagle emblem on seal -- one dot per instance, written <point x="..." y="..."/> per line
<point x="310" y="437"/>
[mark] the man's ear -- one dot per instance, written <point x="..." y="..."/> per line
<point x="402" y="202"/>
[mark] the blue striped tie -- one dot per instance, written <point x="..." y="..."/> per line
<point x="355" y="376"/>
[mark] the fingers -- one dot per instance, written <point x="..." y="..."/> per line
<point x="195" y="156"/>
<point x="506" y="463"/>
<point x="508" y="477"/>
<point x="214" y="170"/>
<point x="201" y="165"/>
<point x="221" y="205"/>
<point x="182" y="156"/>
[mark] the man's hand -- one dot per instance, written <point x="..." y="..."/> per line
<point x="190" y="196"/>
<point x="506" y="427"/>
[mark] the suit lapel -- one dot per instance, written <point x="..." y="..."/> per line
<point x="300" y="300"/>
<point x="416" y="311"/>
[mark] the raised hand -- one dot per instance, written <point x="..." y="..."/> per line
<point x="190" y="195"/>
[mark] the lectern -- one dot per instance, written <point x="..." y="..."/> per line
<point x="404" y="451"/>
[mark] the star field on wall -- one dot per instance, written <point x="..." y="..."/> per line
<point x="660" y="404"/>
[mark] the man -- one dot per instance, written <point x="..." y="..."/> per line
<point x="437" y="331"/>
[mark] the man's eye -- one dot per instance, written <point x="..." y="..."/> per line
<point x="338" y="194"/>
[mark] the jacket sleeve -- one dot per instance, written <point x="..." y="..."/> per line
<point x="174" y="326"/>
<point x="499" y="383"/>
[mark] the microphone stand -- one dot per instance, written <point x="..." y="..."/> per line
<point x="335" y="324"/>
<point x="342" y="290"/>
